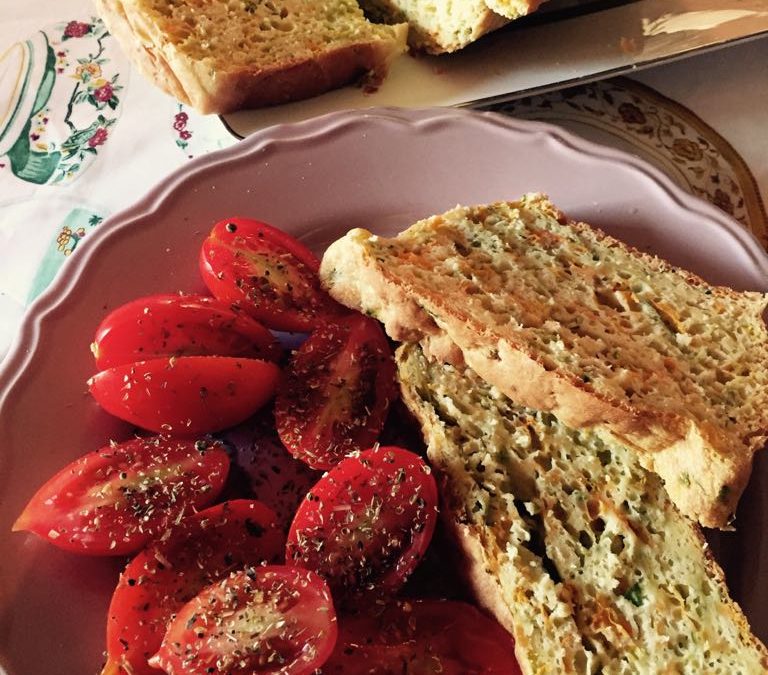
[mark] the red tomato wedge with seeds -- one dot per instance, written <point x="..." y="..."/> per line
<point x="269" y="620"/>
<point x="423" y="637"/>
<point x="336" y="392"/>
<point x="114" y="500"/>
<point x="367" y="523"/>
<point x="179" y="325"/>
<point x="160" y="580"/>
<point x="188" y="395"/>
<point x="271" y="275"/>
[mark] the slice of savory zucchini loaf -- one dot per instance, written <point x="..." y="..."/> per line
<point x="572" y="545"/>
<point x="565" y="319"/>
<point x="225" y="55"/>
<point x="439" y="27"/>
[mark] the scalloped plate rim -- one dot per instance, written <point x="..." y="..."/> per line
<point x="318" y="129"/>
<point x="38" y="321"/>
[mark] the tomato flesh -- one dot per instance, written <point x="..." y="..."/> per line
<point x="114" y="500"/>
<point x="423" y="637"/>
<point x="179" y="325"/>
<point x="367" y="523"/>
<point x="268" y="620"/>
<point x="271" y="275"/>
<point x="204" y="549"/>
<point x="263" y="468"/>
<point x="188" y="395"/>
<point x="336" y="392"/>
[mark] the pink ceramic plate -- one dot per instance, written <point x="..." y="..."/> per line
<point x="381" y="169"/>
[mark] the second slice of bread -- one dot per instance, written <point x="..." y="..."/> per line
<point x="220" y="56"/>
<point x="564" y="318"/>
<point x="569" y="542"/>
<point x="439" y="27"/>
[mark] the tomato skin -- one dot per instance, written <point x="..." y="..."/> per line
<point x="179" y="325"/>
<point x="205" y="548"/>
<point x="422" y="637"/>
<point x="293" y="614"/>
<point x="185" y="396"/>
<point x="114" y="500"/>
<point x="366" y="524"/>
<point x="271" y="275"/>
<point x="336" y="392"/>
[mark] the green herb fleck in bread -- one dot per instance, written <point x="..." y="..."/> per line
<point x="572" y="545"/>
<point x="565" y="319"/>
<point x="225" y="55"/>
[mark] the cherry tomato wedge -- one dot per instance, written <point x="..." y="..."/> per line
<point x="366" y="523"/>
<point x="336" y="392"/>
<point x="271" y="620"/>
<point x="263" y="468"/>
<point x="188" y="395"/>
<point x="165" y="576"/>
<point x="269" y="273"/>
<point x="423" y="637"/>
<point x="114" y="500"/>
<point x="179" y="325"/>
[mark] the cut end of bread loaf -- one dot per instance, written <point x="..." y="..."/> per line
<point x="566" y="319"/>
<point x="226" y="55"/>
<point x="569" y="542"/>
<point x="438" y="28"/>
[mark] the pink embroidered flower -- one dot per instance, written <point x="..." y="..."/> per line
<point x="185" y="135"/>
<point x="76" y="29"/>
<point x="180" y="121"/>
<point x="104" y="93"/>
<point x="99" y="137"/>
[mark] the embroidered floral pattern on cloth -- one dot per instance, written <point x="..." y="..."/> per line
<point x="82" y="136"/>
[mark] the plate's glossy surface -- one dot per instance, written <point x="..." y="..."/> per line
<point x="381" y="170"/>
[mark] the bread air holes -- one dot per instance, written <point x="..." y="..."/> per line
<point x="544" y="461"/>
<point x="598" y="527"/>
<point x="580" y="660"/>
<point x="607" y="298"/>
<point x="268" y="25"/>
<point x="617" y="544"/>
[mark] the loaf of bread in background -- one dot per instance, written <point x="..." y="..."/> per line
<point x="225" y="55"/>
<point x="440" y="27"/>
<point x="565" y="319"/>
<point x="569" y="542"/>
